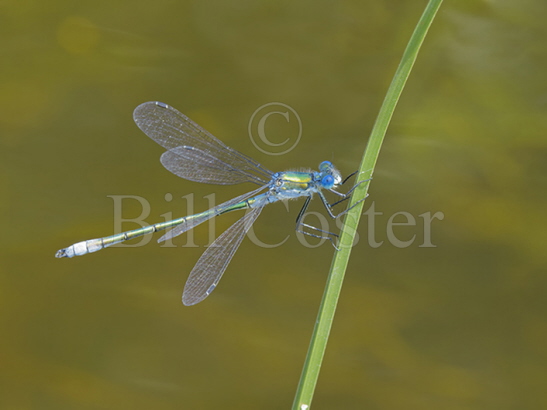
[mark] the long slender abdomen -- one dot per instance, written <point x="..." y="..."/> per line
<point x="94" y="245"/>
<point x="180" y="225"/>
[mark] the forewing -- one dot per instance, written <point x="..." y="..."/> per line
<point x="172" y="129"/>
<point x="211" y="265"/>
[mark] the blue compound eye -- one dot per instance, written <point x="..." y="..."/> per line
<point x="327" y="181"/>
<point x="325" y="165"/>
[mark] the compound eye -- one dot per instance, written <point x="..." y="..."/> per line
<point x="325" y="165"/>
<point x="327" y="181"/>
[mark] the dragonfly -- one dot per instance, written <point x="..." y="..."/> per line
<point x="194" y="154"/>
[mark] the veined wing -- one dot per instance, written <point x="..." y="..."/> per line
<point x="211" y="265"/>
<point x="194" y="164"/>
<point x="191" y="222"/>
<point x="172" y="129"/>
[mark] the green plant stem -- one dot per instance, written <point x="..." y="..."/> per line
<point x="314" y="358"/>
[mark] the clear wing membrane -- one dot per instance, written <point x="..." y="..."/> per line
<point x="211" y="265"/>
<point x="193" y="153"/>
<point x="194" y="164"/>
<point x="193" y="222"/>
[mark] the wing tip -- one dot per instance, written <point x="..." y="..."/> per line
<point x="141" y="107"/>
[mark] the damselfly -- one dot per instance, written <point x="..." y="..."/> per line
<point x="194" y="154"/>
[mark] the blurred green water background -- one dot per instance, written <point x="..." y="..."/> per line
<point x="458" y="326"/>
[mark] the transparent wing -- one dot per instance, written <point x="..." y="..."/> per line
<point x="189" y="142"/>
<point x="194" y="220"/>
<point x="194" y="164"/>
<point x="211" y="265"/>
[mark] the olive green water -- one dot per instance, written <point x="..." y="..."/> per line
<point x="461" y="325"/>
